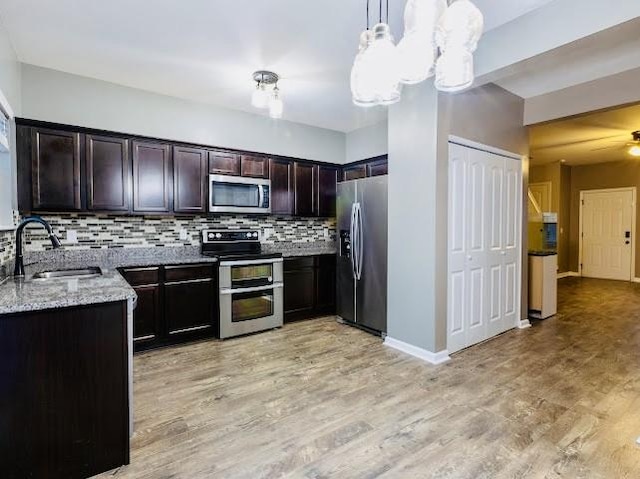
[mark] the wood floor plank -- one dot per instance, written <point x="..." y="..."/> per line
<point x="318" y="400"/>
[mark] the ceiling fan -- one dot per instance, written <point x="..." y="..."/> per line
<point x="633" y="146"/>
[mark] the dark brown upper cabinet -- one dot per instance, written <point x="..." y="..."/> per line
<point x="378" y="168"/>
<point x="55" y="170"/>
<point x="281" y="173"/>
<point x="223" y="163"/>
<point x="254" y="166"/>
<point x="152" y="182"/>
<point x="327" y="190"/>
<point x="189" y="180"/>
<point x="304" y="188"/>
<point x="354" y="172"/>
<point x="108" y="178"/>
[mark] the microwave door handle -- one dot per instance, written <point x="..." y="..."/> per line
<point x="260" y="196"/>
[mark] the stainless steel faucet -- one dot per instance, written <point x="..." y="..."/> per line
<point x="18" y="269"/>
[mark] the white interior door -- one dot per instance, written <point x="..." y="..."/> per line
<point x="607" y="233"/>
<point x="484" y="245"/>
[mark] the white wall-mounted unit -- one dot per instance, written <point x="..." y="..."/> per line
<point x="484" y="252"/>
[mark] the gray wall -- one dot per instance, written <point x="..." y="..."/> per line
<point x="419" y="127"/>
<point x="413" y="134"/>
<point x="367" y="142"/>
<point x="51" y="95"/>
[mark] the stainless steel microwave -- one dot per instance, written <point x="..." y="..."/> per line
<point x="235" y="194"/>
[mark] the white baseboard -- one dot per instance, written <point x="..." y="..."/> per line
<point x="568" y="274"/>
<point x="432" y="358"/>
<point x="524" y="324"/>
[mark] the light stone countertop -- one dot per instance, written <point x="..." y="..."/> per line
<point x="28" y="295"/>
<point x="20" y="295"/>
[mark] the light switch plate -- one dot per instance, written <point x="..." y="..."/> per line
<point x="72" y="236"/>
<point x="183" y="234"/>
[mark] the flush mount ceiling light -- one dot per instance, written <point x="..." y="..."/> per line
<point x="431" y="27"/>
<point x="267" y="94"/>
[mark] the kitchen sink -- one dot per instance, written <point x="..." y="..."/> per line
<point x="83" y="273"/>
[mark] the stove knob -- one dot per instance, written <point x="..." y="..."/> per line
<point x="249" y="235"/>
<point x="255" y="234"/>
<point x="211" y="236"/>
<point x="218" y="235"/>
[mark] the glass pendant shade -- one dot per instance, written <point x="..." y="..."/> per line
<point x="634" y="150"/>
<point x="276" y="106"/>
<point x="384" y="68"/>
<point x="260" y="97"/>
<point x="416" y="57"/>
<point x="461" y="26"/>
<point x="423" y="15"/>
<point x="454" y="70"/>
<point x="362" y="87"/>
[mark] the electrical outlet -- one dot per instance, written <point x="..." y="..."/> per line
<point x="72" y="236"/>
<point x="184" y="235"/>
<point x="326" y="232"/>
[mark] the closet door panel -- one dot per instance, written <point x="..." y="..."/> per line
<point x="512" y="240"/>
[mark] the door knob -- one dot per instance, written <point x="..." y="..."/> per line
<point x="469" y="258"/>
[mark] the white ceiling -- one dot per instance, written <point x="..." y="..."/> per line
<point x="594" y="138"/>
<point x="206" y="50"/>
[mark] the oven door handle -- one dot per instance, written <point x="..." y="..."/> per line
<point x="250" y="262"/>
<point x="251" y="290"/>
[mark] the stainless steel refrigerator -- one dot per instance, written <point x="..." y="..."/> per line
<point x="362" y="253"/>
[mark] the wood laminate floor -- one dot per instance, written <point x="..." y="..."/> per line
<point x="321" y="400"/>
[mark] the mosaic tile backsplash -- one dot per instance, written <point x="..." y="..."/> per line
<point x="7" y="245"/>
<point x="115" y="231"/>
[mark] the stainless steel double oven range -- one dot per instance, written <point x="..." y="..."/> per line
<point x="250" y="282"/>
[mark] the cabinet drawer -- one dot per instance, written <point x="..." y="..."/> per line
<point x="142" y="276"/>
<point x="291" y="264"/>
<point x="186" y="273"/>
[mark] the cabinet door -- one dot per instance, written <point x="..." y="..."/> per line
<point x="327" y="189"/>
<point x="326" y="284"/>
<point x="304" y="176"/>
<point x="354" y="172"/>
<point x="152" y="185"/>
<point x="146" y="316"/>
<point x="378" y="168"/>
<point x="222" y="163"/>
<point x="254" y="166"/>
<point x="55" y="165"/>
<point x="108" y="183"/>
<point x="189" y="307"/>
<point x="189" y="180"/>
<point x="299" y="288"/>
<point x="281" y="172"/>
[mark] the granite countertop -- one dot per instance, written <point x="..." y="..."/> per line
<point x="19" y="295"/>
<point x="28" y="295"/>
<point x="301" y="249"/>
<point x="542" y="253"/>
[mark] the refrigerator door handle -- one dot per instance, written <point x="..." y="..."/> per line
<point x="352" y="238"/>
<point x="360" y="241"/>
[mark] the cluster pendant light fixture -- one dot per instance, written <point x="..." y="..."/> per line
<point x="438" y="39"/>
<point x="267" y="94"/>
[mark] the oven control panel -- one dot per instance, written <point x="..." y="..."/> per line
<point x="230" y="236"/>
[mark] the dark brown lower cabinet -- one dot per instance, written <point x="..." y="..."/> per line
<point x="309" y="287"/>
<point x="65" y="394"/>
<point x="176" y="304"/>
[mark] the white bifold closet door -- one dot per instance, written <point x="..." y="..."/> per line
<point x="484" y="245"/>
